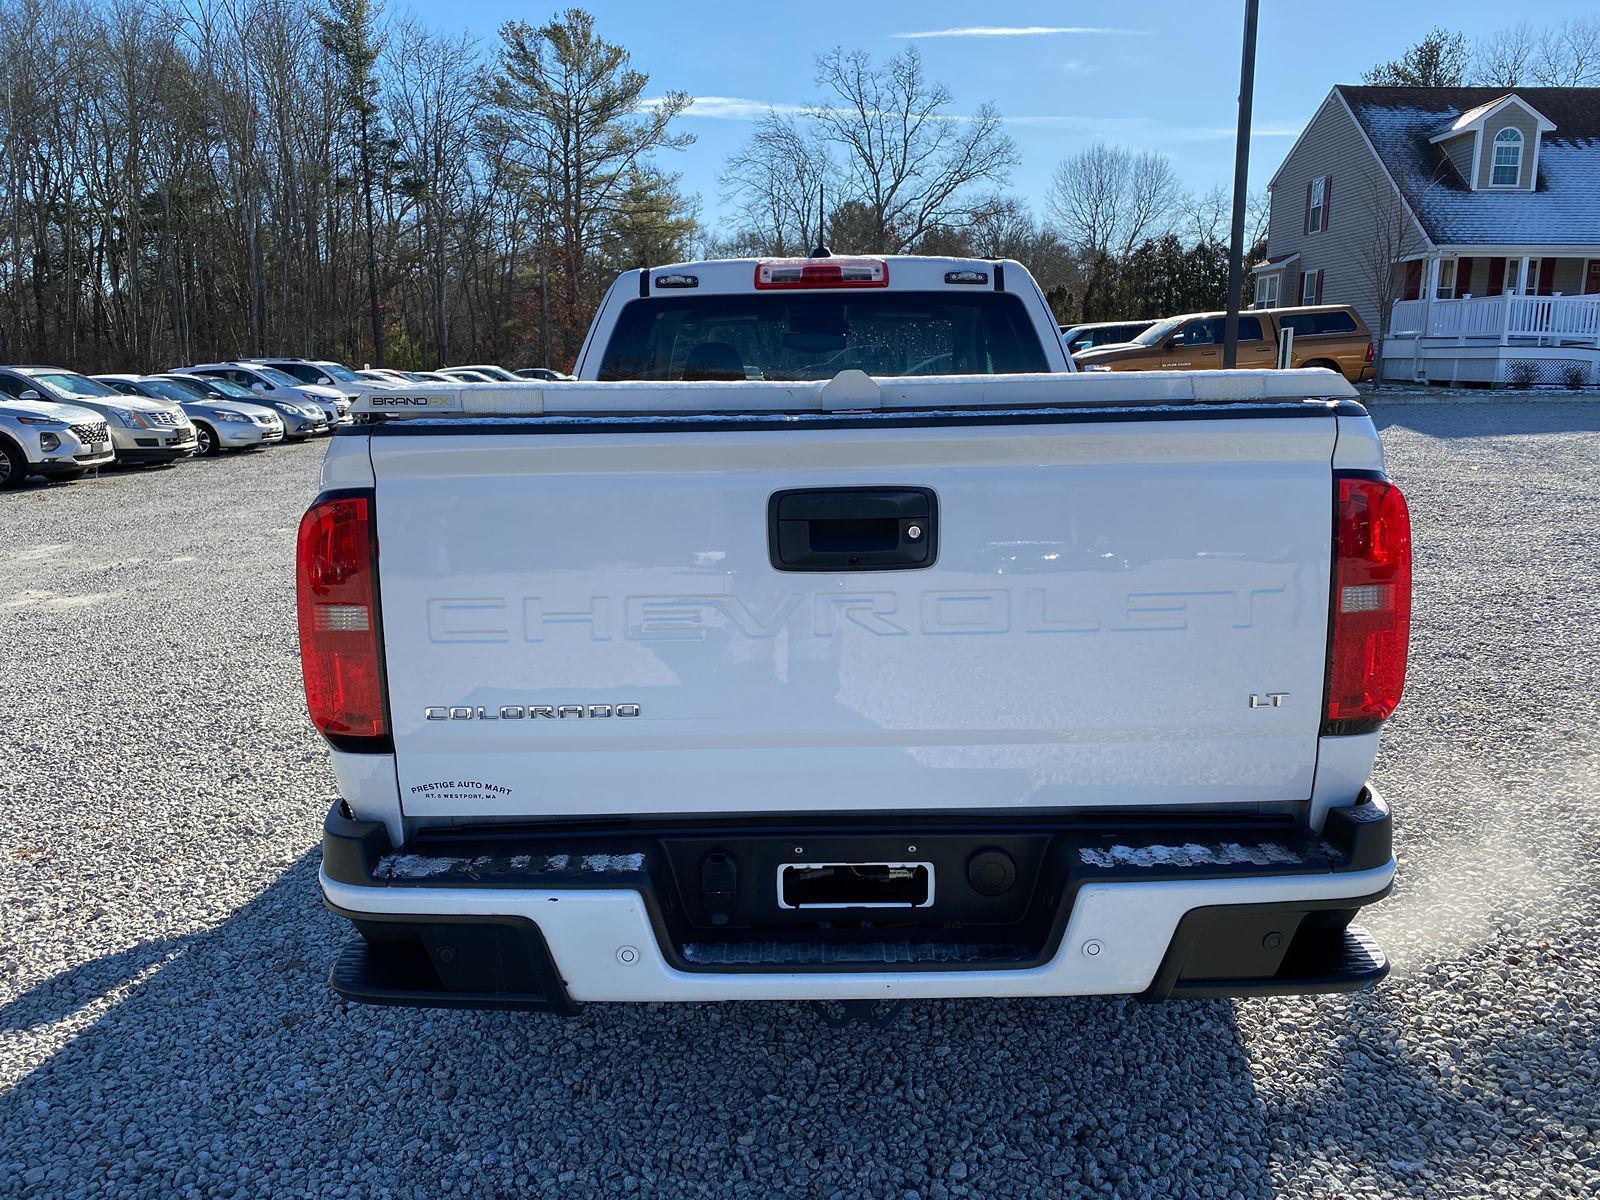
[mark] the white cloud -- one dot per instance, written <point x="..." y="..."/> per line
<point x="729" y="108"/>
<point x="997" y="31"/>
<point x="1144" y="130"/>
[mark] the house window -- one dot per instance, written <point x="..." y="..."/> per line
<point x="1506" y="170"/>
<point x="1447" y="280"/>
<point x="1308" y="287"/>
<point x="1530" y="286"/>
<point x="1267" y="291"/>
<point x="1319" y="196"/>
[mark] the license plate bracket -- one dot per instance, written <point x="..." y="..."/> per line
<point x="840" y="885"/>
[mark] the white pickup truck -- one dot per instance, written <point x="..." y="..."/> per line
<point x="772" y="660"/>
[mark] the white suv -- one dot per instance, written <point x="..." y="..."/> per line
<point x="58" y="441"/>
<point x="142" y="431"/>
<point x="271" y="383"/>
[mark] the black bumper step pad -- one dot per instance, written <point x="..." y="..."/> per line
<point x="365" y="977"/>
<point x="1347" y="960"/>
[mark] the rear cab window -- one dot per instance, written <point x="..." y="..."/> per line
<point x="1311" y="324"/>
<point x="795" y="336"/>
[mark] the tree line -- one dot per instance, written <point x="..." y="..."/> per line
<point x="185" y="180"/>
<point x="907" y="175"/>
<point x="220" y="178"/>
<point x="1521" y="55"/>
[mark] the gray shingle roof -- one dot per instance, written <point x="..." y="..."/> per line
<point x="1563" y="208"/>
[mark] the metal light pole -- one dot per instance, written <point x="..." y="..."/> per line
<point x="1241" y="173"/>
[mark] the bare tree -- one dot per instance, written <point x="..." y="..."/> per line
<point x="913" y="165"/>
<point x="775" y="183"/>
<point x="1569" y="54"/>
<point x="1377" y="249"/>
<point x="1565" y="55"/>
<point x="209" y="189"/>
<point x="1257" y="220"/>
<point x="434" y="107"/>
<point x="1107" y="199"/>
<point x="1505" y="57"/>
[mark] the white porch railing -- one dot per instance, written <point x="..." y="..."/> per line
<point x="1568" y="319"/>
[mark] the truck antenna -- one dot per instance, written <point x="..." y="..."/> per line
<point x="821" y="249"/>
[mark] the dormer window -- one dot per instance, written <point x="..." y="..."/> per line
<point x="1506" y="169"/>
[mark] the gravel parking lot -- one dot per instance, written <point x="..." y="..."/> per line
<point x="166" y="1028"/>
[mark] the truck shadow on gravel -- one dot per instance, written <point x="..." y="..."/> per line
<point x="220" y="1062"/>
<point x="1473" y="420"/>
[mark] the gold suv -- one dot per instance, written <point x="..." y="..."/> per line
<point x="1325" y="335"/>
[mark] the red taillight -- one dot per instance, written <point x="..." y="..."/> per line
<point x="1371" y="614"/>
<point x="338" y="606"/>
<point x="822" y="273"/>
<point x="1369" y="352"/>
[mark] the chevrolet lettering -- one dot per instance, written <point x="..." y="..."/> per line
<point x="944" y="646"/>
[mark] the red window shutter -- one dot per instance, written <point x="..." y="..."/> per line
<point x="1463" y="277"/>
<point x="1497" y="277"/>
<point x="1307" y="223"/>
<point x="1414" y="279"/>
<point x="1327" y="198"/>
<point x="1320" y="273"/>
<point x="1547" y="275"/>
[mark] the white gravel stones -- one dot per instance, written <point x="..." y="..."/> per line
<point x="166" y="1029"/>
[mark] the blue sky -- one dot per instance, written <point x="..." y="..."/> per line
<point x="1161" y="76"/>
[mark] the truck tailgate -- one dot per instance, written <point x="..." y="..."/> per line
<point x="1120" y="612"/>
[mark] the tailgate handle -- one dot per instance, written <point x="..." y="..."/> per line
<point x="852" y="529"/>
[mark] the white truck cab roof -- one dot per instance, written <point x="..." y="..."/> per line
<point x="872" y="290"/>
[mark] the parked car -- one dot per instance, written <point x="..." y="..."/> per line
<point x="56" y="441"/>
<point x="143" y="431"/>
<point x="493" y="373"/>
<point x="383" y="375"/>
<point x="322" y="372"/>
<point x="465" y="375"/>
<point x="269" y="382"/>
<point x="1101" y="333"/>
<point x="428" y="377"/>
<point x="219" y="424"/>
<point x="1327" y="335"/>
<point x="302" y="419"/>
<point x="544" y="373"/>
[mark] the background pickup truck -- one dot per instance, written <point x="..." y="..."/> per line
<point x="822" y="685"/>
<point x="1325" y="335"/>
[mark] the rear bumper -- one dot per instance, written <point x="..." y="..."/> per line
<point x="1205" y="910"/>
